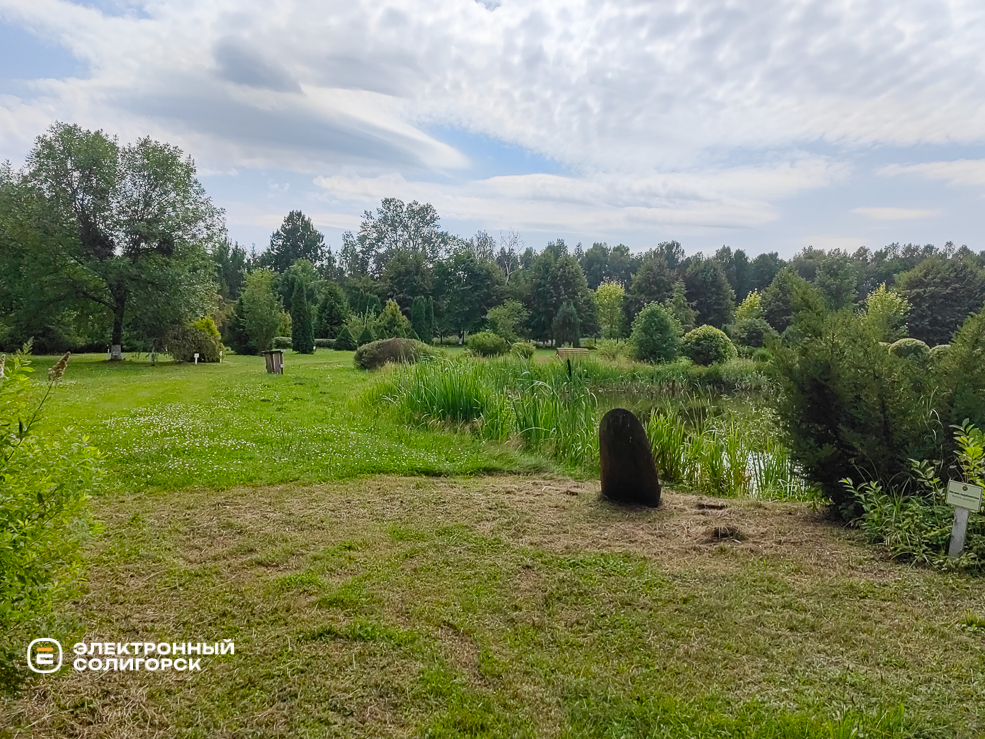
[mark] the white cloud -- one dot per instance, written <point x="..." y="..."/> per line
<point x="895" y="214"/>
<point x="958" y="172"/>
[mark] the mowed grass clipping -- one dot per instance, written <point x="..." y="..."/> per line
<point x="511" y="607"/>
<point x="218" y="425"/>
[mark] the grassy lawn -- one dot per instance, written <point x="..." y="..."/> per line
<point x="365" y="602"/>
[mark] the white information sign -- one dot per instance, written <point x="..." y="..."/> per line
<point x="963" y="495"/>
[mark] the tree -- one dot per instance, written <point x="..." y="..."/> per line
<point x="466" y="288"/>
<point x="596" y="265"/>
<point x="566" y="326"/>
<point x="134" y="228"/>
<point x="680" y="308"/>
<point x="397" y="227"/>
<point x="556" y="278"/>
<point x="708" y="291"/>
<point x="508" y="258"/>
<point x="656" y="335"/>
<point x="609" y="299"/>
<point x="261" y="309"/>
<point x="344" y="341"/>
<point x="431" y="325"/>
<point x="652" y="283"/>
<point x="764" y="269"/>
<point x="784" y="296"/>
<point x="621" y="265"/>
<point x="406" y="276"/>
<point x="505" y="320"/>
<point x="302" y="330"/>
<point x="333" y="312"/>
<point x="751" y="308"/>
<point x="297" y="238"/>
<point x="884" y="314"/>
<point x="419" y="319"/>
<point x="392" y="323"/>
<point x="836" y="278"/>
<point x="230" y="265"/>
<point x="943" y="293"/>
<point x="303" y="272"/>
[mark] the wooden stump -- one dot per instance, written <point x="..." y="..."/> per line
<point x="628" y="473"/>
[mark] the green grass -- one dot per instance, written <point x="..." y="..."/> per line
<point x="247" y="506"/>
<point x="218" y="425"/>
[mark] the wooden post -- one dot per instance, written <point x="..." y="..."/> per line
<point x="966" y="498"/>
<point x="958" y="532"/>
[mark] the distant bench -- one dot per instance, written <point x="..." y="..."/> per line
<point x="569" y="353"/>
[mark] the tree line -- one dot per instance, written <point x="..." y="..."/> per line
<point x="104" y="244"/>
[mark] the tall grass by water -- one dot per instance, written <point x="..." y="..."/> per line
<point x="555" y="409"/>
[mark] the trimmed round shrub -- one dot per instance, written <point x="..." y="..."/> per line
<point x="281" y="342"/>
<point x="523" y="349"/>
<point x="708" y="345"/>
<point x="656" y="335"/>
<point x="487" y="344"/>
<point x="377" y="353"/>
<point x="939" y="351"/>
<point x="910" y="349"/>
<point x="201" y="337"/>
<point x="344" y="341"/>
<point x="752" y="332"/>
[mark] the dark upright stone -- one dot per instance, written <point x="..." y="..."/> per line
<point x="628" y="473"/>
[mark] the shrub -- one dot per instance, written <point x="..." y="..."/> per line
<point x="366" y="337"/>
<point x="753" y="332"/>
<point x="523" y="349"/>
<point x="392" y="323"/>
<point x="375" y="354"/>
<point x="344" y="341"/>
<point x="939" y="352"/>
<point x="656" y="335"/>
<point x="762" y="355"/>
<point x="708" y="345"/>
<point x="201" y="337"/>
<point x="487" y="344"/>
<point x="281" y="342"/>
<point x="910" y="349"/>
<point x="324" y="343"/>
<point x="45" y="481"/>
<point x="610" y="348"/>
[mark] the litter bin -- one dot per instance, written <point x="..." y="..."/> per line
<point x="275" y="361"/>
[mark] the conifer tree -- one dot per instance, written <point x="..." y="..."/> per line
<point x="302" y="330"/>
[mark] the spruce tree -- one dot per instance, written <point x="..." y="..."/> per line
<point x="430" y="325"/>
<point x="344" y="341"/>
<point x="567" y="326"/>
<point x="333" y="312"/>
<point x="418" y="318"/>
<point x="366" y="336"/>
<point x="302" y="330"/>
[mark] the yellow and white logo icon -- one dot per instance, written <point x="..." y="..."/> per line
<point x="44" y="655"/>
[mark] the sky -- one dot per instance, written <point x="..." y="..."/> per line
<point x="765" y="125"/>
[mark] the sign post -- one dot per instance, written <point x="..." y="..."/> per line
<point x="196" y="357"/>
<point x="966" y="499"/>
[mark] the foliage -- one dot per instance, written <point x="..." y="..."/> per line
<point x="344" y="341"/>
<point x="836" y="279"/>
<point x="915" y="525"/>
<point x="261" y="314"/>
<point x="566" y="326"/>
<point x="753" y="332"/>
<point x="487" y="344"/>
<point x="45" y="481"/>
<point x="556" y="278"/>
<point x="523" y="349"/>
<point x="942" y="294"/>
<point x="297" y="238"/>
<point x="609" y="298"/>
<point x="392" y="323"/>
<point x="366" y="336"/>
<point x="611" y="349"/>
<point x="786" y="295"/>
<point x="656" y="335"/>
<point x="680" y="308"/>
<point x="333" y="311"/>
<point x="653" y="282"/>
<point x="708" y="345"/>
<point x="884" y="314"/>
<point x="129" y="228"/>
<point x="302" y="327"/>
<point x="465" y="289"/>
<point x="420" y="321"/>
<point x="395" y="227"/>
<point x="396" y="350"/>
<point x="507" y="319"/>
<point x="280" y="342"/>
<point x="751" y="308"/>
<point x="959" y="374"/>
<point x="910" y="349"/>
<point x="851" y="409"/>
<point x="230" y="266"/>
<point x="708" y="290"/>
<point x="201" y="337"/>
<point x="324" y="343"/>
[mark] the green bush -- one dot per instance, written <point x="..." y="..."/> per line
<point x="392" y="323"/>
<point x="201" y="337"/>
<point x="910" y="349"/>
<point x="344" y="341"/>
<point x="656" y="335"/>
<point x="487" y="344"/>
<point x="324" y="343"/>
<point x="523" y="349"/>
<point x="753" y="332"/>
<point x="281" y="342"/>
<point x="610" y="349"/>
<point x="939" y="352"/>
<point x="762" y="355"/>
<point x="366" y="337"/>
<point x="45" y="481"/>
<point x="708" y="345"/>
<point x="406" y="351"/>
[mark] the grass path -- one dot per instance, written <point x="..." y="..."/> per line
<point x="511" y="606"/>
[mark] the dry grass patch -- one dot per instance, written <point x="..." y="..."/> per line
<point x="510" y="606"/>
